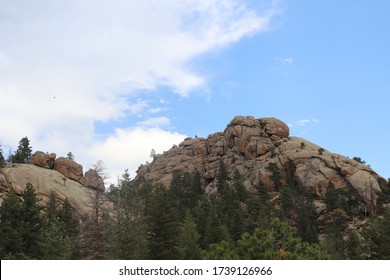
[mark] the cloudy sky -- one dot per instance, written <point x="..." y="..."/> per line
<point x="111" y="80"/>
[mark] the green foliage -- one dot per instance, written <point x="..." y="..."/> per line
<point x="188" y="240"/>
<point x="60" y="238"/>
<point x="126" y="227"/>
<point x="32" y="222"/>
<point x="307" y="222"/>
<point x="222" y="177"/>
<point x="354" y="246"/>
<point x="277" y="241"/>
<point x="70" y="155"/>
<point x="260" y="209"/>
<point x="163" y="225"/>
<point x="11" y="239"/>
<point x="358" y="159"/>
<point x="93" y="230"/>
<point x="377" y="237"/>
<point x="2" y="160"/>
<point x="24" y="151"/>
<point x="275" y="175"/>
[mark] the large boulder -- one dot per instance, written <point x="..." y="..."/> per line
<point x="42" y="159"/>
<point x="69" y="168"/>
<point x="46" y="181"/>
<point x="93" y="180"/>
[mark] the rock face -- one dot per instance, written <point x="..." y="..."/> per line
<point x="250" y="145"/>
<point x="69" y="168"/>
<point x="93" y="180"/>
<point x="42" y="159"/>
<point x="45" y="181"/>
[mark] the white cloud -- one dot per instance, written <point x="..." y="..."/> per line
<point x="128" y="148"/>
<point x="155" y="122"/>
<point x="284" y="61"/>
<point x="305" y="122"/>
<point x="66" y="64"/>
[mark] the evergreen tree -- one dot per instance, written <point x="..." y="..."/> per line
<point x="127" y="227"/>
<point x="307" y="222"/>
<point x="11" y="239"/>
<point x="163" y="225"/>
<point x="24" y="151"/>
<point x="275" y="175"/>
<point x="54" y="243"/>
<point x="188" y="240"/>
<point x="32" y="223"/>
<point x="215" y="230"/>
<point x="70" y="155"/>
<point x="260" y="208"/>
<point x="335" y="198"/>
<point x="222" y="177"/>
<point x="333" y="243"/>
<point x="279" y="241"/>
<point x="377" y="237"/>
<point x="239" y="187"/>
<point x="354" y="246"/>
<point x="2" y="161"/>
<point x="287" y="202"/>
<point x="60" y="236"/>
<point x="93" y="231"/>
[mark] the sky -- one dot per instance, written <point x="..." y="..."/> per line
<point x="112" y="80"/>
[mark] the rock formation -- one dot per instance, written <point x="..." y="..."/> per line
<point x="93" y="180"/>
<point x="250" y="146"/>
<point x="69" y="168"/>
<point x="45" y="181"/>
<point x="44" y="160"/>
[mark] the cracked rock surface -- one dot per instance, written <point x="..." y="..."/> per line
<point x="249" y="145"/>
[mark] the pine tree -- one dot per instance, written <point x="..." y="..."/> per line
<point x="60" y="235"/>
<point x="377" y="237"/>
<point x="163" y="225"/>
<point x="276" y="242"/>
<point x="260" y="208"/>
<point x="354" y="246"/>
<point x="307" y="222"/>
<point x="2" y="161"/>
<point x="93" y="229"/>
<point x="215" y="230"/>
<point x="275" y="175"/>
<point x="188" y="240"/>
<point x="127" y="227"/>
<point x="11" y="239"/>
<point x="222" y="177"/>
<point x="24" y="151"/>
<point x="32" y="223"/>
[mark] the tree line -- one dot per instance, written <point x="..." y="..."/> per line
<point x="149" y="221"/>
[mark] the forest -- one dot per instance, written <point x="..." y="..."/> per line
<point x="149" y="221"/>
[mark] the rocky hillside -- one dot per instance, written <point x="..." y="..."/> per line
<point x="259" y="149"/>
<point x="46" y="173"/>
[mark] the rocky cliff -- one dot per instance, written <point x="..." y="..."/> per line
<point x="46" y="173"/>
<point x="251" y="146"/>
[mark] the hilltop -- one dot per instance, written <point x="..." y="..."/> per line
<point x="262" y="150"/>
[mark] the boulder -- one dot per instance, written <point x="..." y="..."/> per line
<point x="69" y="168"/>
<point x="42" y="159"/>
<point x="46" y="181"/>
<point x="93" y="180"/>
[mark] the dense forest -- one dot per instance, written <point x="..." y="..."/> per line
<point x="183" y="222"/>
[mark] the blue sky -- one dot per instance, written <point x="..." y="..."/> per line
<point x="129" y="76"/>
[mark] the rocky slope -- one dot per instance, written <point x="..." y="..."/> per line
<point x="46" y="173"/>
<point x="250" y="145"/>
